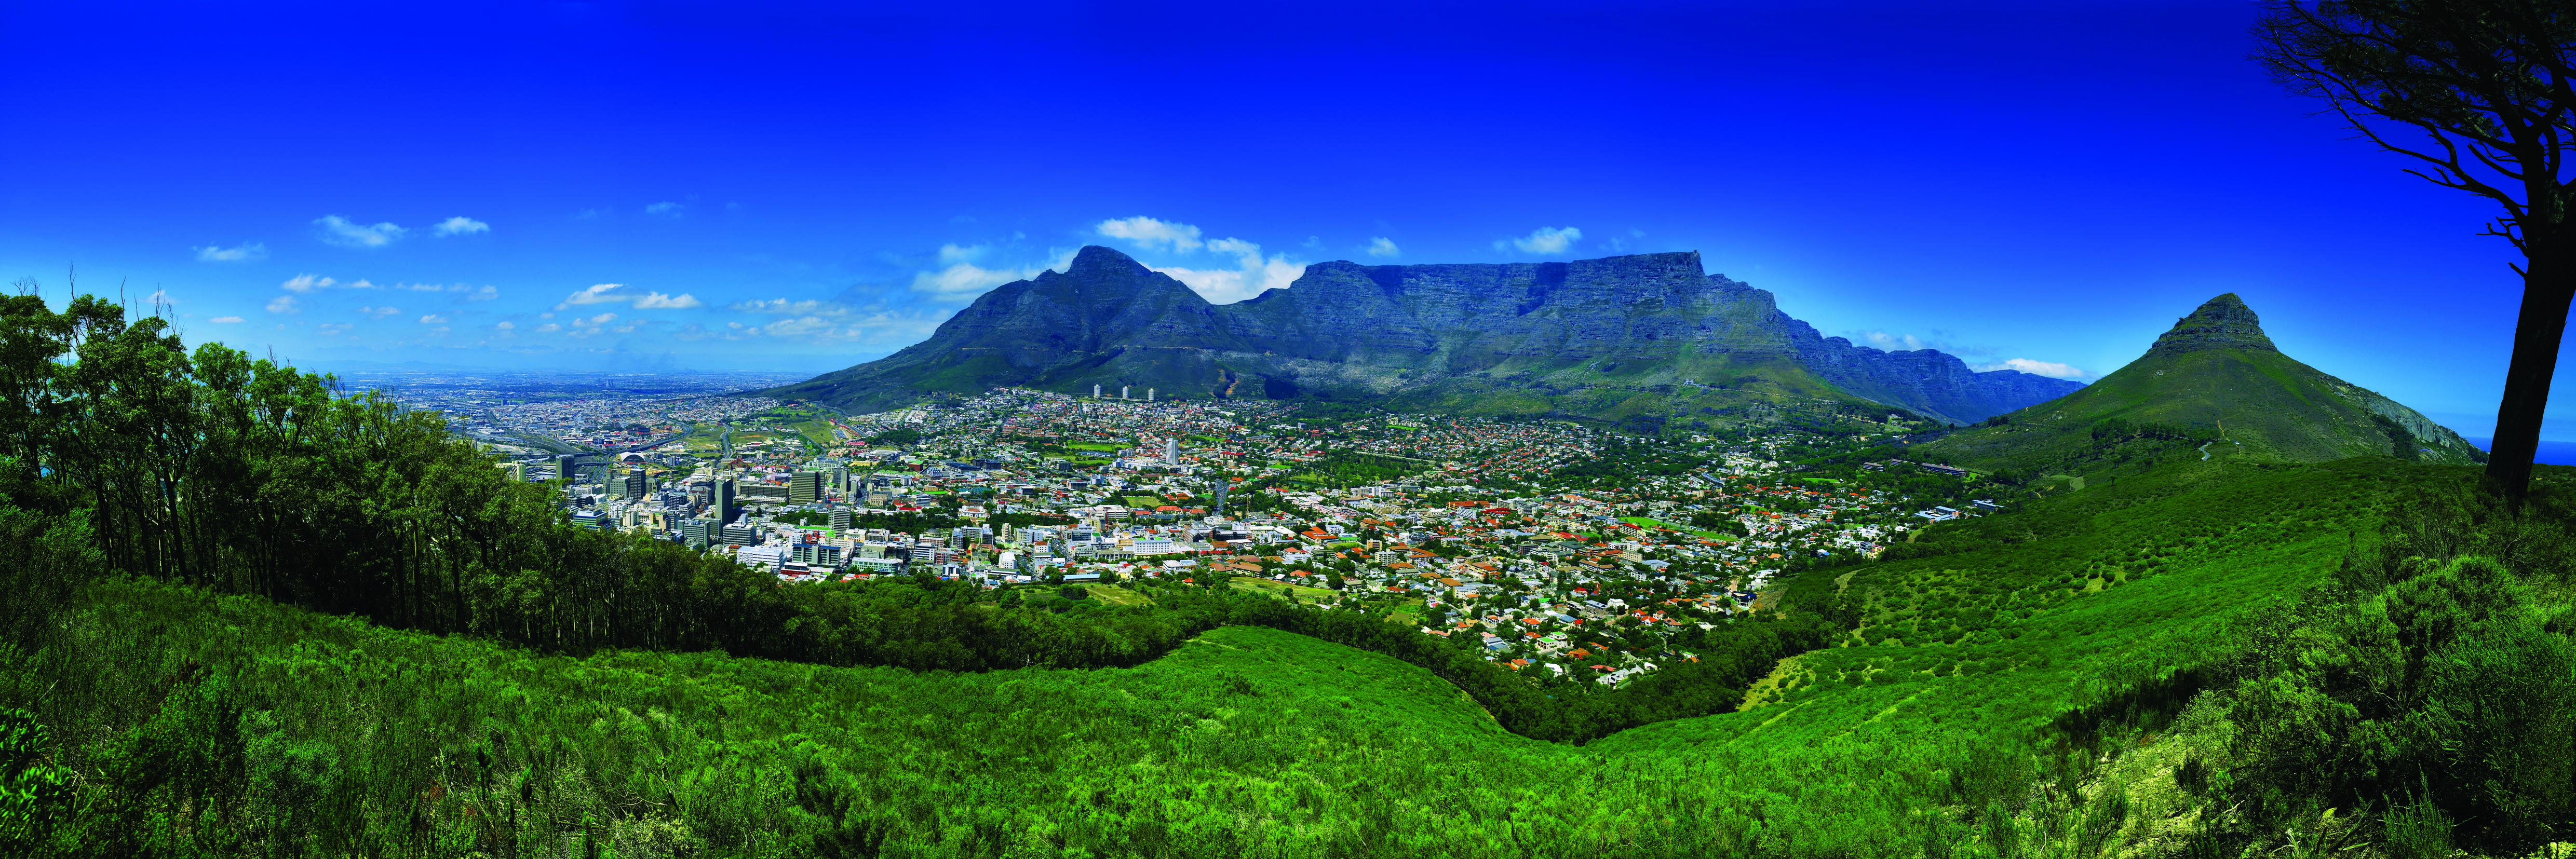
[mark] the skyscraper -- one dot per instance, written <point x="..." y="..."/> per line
<point x="1122" y="392"/>
<point x="636" y="485"/>
<point x="1216" y="497"/>
<point x="1171" y="450"/>
<point x="723" y="504"/>
<point x="1095" y="392"/>
<point x="805" y="487"/>
<point x="1149" y="395"/>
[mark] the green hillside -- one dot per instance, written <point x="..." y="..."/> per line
<point x="2214" y="377"/>
<point x="2002" y="682"/>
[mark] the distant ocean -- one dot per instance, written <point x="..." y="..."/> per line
<point x="2551" y="452"/>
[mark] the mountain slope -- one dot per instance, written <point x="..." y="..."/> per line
<point x="1645" y="336"/>
<point x="1104" y="320"/>
<point x="2217" y="373"/>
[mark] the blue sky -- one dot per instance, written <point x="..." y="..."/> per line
<point x="698" y="185"/>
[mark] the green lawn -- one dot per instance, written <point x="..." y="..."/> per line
<point x="1115" y="595"/>
<point x="1301" y="593"/>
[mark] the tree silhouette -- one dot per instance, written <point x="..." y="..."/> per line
<point x="2477" y="92"/>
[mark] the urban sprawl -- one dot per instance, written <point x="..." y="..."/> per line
<point x="1566" y="550"/>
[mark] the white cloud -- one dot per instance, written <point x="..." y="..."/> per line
<point x="380" y="311"/>
<point x="951" y="254"/>
<point x="597" y="293"/>
<point x="658" y="301"/>
<point x="505" y="325"/>
<point x="307" y="283"/>
<point x="590" y="326"/>
<point x="1152" y="234"/>
<point x="797" y="327"/>
<point x="2050" y="369"/>
<point x="486" y="293"/>
<point x="1251" y="275"/>
<point x="283" y="304"/>
<point x="159" y="297"/>
<point x="460" y="225"/>
<point x="1381" y="246"/>
<point x="351" y="234"/>
<point x="331" y="329"/>
<point x="781" y="305"/>
<point x="225" y="320"/>
<point x="244" y="252"/>
<point x="549" y="328"/>
<point x="619" y="293"/>
<point x="666" y="209"/>
<point x="433" y="319"/>
<point x="1892" y="342"/>
<point x="967" y="280"/>
<point x="1544" y="240"/>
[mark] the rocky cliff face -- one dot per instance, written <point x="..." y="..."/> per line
<point x="1600" y="331"/>
<point x="2220" y="323"/>
<point x="1463" y="318"/>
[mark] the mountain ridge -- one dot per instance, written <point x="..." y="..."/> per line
<point x="1645" y="337"/>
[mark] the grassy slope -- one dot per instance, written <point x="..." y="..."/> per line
<point x="1246" y="740"/>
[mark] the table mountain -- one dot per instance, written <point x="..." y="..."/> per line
<point x="2215" y="373"/>
<point x="1648" y="337"/>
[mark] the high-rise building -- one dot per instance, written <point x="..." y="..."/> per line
<point x="723" y="504"/>
<point x="1171" y="450"/>
<point x="637" y="485"/>
<point x="699" y="533"/>
<point x="805" y="487"/>
<point x="1095" y="392"/>
<point x="1149" y="395"/>
<point x="1216" y="497"/>
<point x="841" y="518"/>
<point x="568" y="467"/>
<point x="740" y="535"/>
<point x="1122" y="392"/>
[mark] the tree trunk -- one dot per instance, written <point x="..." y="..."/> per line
<point x="2547" y="287"/>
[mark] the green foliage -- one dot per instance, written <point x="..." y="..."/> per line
<point x="1342" y="468"/>
<point x="35" y="796"/>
